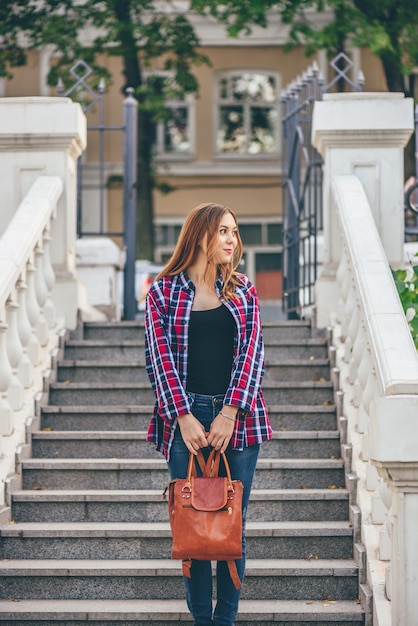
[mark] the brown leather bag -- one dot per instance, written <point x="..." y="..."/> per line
<point x="205" y="515"/>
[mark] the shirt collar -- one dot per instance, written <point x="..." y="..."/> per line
<point x="185" y="282"/>
<point x="188" y="285"/>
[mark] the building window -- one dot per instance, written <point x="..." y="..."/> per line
<point x="173" y="132"/>
<point x="247" y="105"/>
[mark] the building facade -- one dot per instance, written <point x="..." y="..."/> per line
<point x="223" y="145"/>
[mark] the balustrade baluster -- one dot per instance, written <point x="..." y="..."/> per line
<point x="350" y="314"/>
<point x="49" y="278"/>
<point x="385" y="531"/>
<point x="32" y="309"/>
<point x="342" y="281"/>
<point x="371" y="391"/>
<point x="6" y="421"/>
<point x="41" y="292"/>
<point x="352" y="335"/>
<point x="359" y="346"/>
<point x="359" y="386"/>
<point x="25" y="370"/>
<point x="14" y="353"/>
<point x="378" y="508"/>
<point x="349" y="304"/>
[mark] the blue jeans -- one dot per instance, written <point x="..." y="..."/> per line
<point x="199" y="587"/>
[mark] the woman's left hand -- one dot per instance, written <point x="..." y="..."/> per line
<point x="221" y="430"/>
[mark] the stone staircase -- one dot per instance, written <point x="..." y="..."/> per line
<point x="86" y="538"/>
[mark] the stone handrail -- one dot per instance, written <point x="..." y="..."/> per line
<point x="28" y="324"/>
<point x="379" y="369"/>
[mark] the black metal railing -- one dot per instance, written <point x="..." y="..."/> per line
<point x="411" y="195"/>
<point x="302" y="182"/>
<point x="82" y="91"/>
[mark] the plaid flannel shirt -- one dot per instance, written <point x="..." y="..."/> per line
<point x="167" y="313"/>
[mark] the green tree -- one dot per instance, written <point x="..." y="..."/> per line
<point x="137" y="31"/>
<point x="389" y="28"/>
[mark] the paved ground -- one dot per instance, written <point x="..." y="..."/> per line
<point x="271" y="310"/>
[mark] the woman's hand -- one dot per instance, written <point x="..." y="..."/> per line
<point x="222" y="428"/>
<point x="193" y="432"/>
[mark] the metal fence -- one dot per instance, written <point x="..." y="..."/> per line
<point x="411" y="195"/>
<point x="82" y="91"/>
<point x="302" y="181"/>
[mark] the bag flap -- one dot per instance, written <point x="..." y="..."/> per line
<point x="209" y="494"/>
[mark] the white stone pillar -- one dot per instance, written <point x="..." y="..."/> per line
<point x="362" y="134"/>
<point x="99" y="262"/>
<point x="393" y="446"/>
<point x="45" y="136"/>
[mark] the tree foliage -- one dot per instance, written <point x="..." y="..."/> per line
<point x="137" y="31"/>
<point x="389" y="28"/>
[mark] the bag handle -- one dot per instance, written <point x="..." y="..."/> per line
<point x="210" y="469"/>
<point x="212" y="465"/>
<point x="191" y="470"/>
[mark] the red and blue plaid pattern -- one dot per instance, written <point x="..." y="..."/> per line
<point x="167" y="313"/>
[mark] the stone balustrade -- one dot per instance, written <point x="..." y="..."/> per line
<point x="28" y="323"/>
<point x="379" y="364"/>
<point x="361" y="138"/>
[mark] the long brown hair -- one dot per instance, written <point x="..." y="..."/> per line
<point x="205" y="218"/>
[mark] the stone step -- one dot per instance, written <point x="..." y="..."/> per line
<point x="98" y="540"/>
<point x="105" y="350"/>
<point x="102" y="371"/>
<point x="133" y="349"/>
<point x="275" y="579"/>
<point x="117" y="331"/>
<point x="90" y="417"/>
<point x="120" y="331"/>
<point x="282" y="417"/>
<point x="303" y="417"/>
<point x="90" y="541"/>
<point x="294" y="371"/>
<point x="133" y="444"/>
<point x="70" y="394"/>
<point x="148" y="506"/>
<point x="173" y="612"/>
<point x="134" y="371"/>
<point x="152" y="474"/>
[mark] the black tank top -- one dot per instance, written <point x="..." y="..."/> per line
<point x="210" y="352"/>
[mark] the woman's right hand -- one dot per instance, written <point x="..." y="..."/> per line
<point x="193" y="432"/>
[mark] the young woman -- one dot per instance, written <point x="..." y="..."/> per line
<point x="205" y="360"/>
